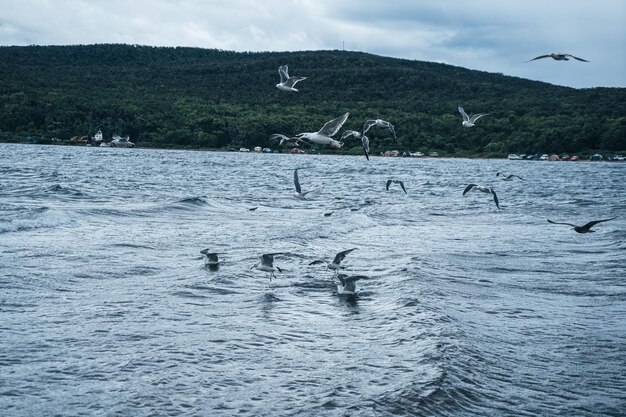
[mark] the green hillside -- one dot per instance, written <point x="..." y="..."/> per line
<point x="204" y="98"/>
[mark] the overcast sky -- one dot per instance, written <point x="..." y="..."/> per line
<point x="487" y="35"/>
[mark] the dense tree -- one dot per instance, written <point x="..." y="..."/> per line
<point x="207" y="98"/>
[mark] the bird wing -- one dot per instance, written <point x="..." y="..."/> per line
<point x="332" y="127"/>
<point x="317" y="261"/>
<point x="402" y="185"/>
<point x="477" y="116"/>
<point x="499" y="173"/>
<point x="569" y="224"/>
<point x="280" y="136"/>
<point x="296" y="181"/>
<point x="465" y="116"/>
<point x="349" y="133"/>
<point x="469" y="187"/>
<point x="283" y="71"/>
<point x="539" y="57"/>
<point x="495" y="198"/>
<point x="341" y="279"/>
<point x="293" y="80"/>
<point x="365" y="142"/>
<point x="388" y="184"/>
<point x="513" y="175"/>
<point x="575" y="57"/>
<point x="341" y="256"/>
<point x="594" y="222"/>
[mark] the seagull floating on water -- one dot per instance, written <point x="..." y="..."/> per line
<point x="508" y="177"/>
<point x="395" y="181"/>
<point x="586" y="228"/>
<point x="335" y="265"/>
<point x="291" y="142"/>
<point x="558" y="57"/>
<point x="267" y="264"/>
<point x="365" y="142"/>
<point x="470" y="121"/>
<point x="484" y="190"/>
<point x="347" y="284"/>
<point x="287" y="83"/>
<point x="324" y="135"/>
<point x="210" y="258"/>
<point x="299" y="194"/>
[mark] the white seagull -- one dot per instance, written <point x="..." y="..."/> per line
<point x="324" y="135"/>
<point x="210" y="258"/>
<point x="335" y="265"/>
<point x="347" y="284"/>
<point x="484" y="190"/>
<point x="299" y="194"/>
<point x="287" y="83"/>
<point x="558" y="57"/>
<point x="291" y="142"/>
<point x="508" y="177"/>
<point x="586" y="228"/>
<point x="395" y="181"/>
<point x="364" y="139"/>
<point x="267" y="264"/>
<point x="470" y="121"/>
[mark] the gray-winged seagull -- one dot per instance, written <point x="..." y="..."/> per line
<point x="324" y="135"/>
<point x="365" y="143"/>
<point x="586" y="228"/>
<point x="558" y="57"/>
<point x="484" y="190"/>
<point x="287" y="83"/>
<point x="470" y="121"/>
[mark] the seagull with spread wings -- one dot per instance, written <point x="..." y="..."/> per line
<point x="287" y="83"/>
<point x="586" y="228"/>
<point x="365" y="142"/>
<point x="470" y="121"/>
<point x="335" y="265"/>
<point x="558" y="57"/>
<point x="484" y="190"/>
<point x="325" y="134"/>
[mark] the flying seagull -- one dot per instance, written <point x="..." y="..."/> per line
<point x="364" y="139"/>
<point x="470" y="121"/>
<point x="508" y="177"/>
<point x="267" y="264"/>
<point x="484" y="190"/>
<point x="299" y="194"/>
<point x="395" y="181"/>
<point x="210" y="258"/>
<point x="558" y="57"/>
<point x="348" y="283"/>
<point x="287" y="83"/>
<point x="335" y="264"/>
<point x="291" y="142"/>
<point x="324" y="135"/>
<point x="586" y="228"/>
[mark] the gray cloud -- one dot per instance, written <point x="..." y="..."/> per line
<point x="488" y="35"/>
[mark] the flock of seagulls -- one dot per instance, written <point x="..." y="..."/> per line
<point x="324" y="136"/>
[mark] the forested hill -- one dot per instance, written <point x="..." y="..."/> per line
<point x="206" y="98"/>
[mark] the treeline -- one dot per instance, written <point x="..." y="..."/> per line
<point x="204" y="98"/>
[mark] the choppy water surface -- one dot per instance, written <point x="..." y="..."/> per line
<point x="107" y="309"/>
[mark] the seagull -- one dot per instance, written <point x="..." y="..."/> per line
<point x="484" y="190"/>
<point x="586" y="228"/>
<point x="324" y="135"/>
<point x="348" y="284"/>
<point x="508" y="177"/>
<point x="470" y="121"/>
<point x="299" y="194"/>
<point x="287" y="83"/>
<point x="291" y="142"/>
<point x="558" y="57"/>
<point x="210" y="258"/>
<point x="335" y="264"/>
<point x="364" y="139"/>
<point x="395" y="181"/>
<point x="267" y="264"/>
